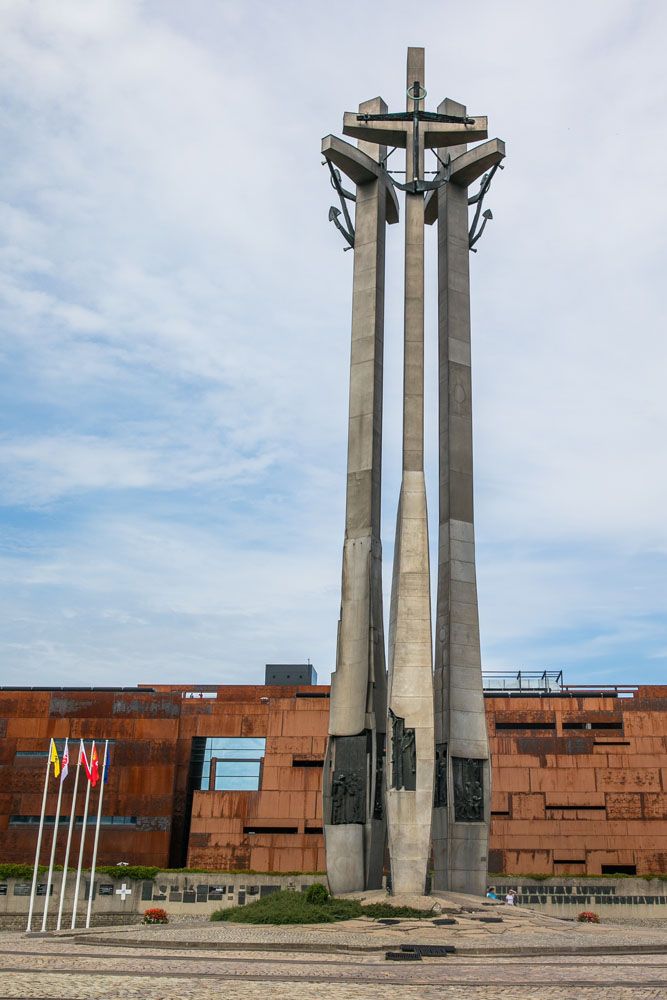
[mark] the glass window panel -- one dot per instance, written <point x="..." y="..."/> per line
<point x="236" y="767"/>
<point x="235" y="746"/>
<point x="235" y="783"/>
<point x="237" y="762"/>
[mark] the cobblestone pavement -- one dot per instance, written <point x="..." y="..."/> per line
<point x="62" y="969"/>
<point x="519" y="929"/>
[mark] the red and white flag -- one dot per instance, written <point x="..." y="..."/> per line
<point x="94" y="767"/>
<point x="64" y="762"/>
<point x="84" y="760"/>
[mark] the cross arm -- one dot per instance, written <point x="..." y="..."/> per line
<point x="436" y="133"/>
<point x="389" y="133"/>
<point x="464" y="169"/>
<point x="361" y="169"/>
<point x="470" y="165"/>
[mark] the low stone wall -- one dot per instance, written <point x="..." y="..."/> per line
<point x="620" y="898"/>
<point x="180" y="894"/>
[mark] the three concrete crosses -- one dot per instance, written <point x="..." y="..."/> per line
<point x="430" y="788"/>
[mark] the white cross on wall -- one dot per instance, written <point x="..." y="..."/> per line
<point x="123" y="892"/>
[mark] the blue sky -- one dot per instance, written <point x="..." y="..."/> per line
<point x="175" y="307"/>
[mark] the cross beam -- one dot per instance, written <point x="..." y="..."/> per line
<point x="434" y="134"/>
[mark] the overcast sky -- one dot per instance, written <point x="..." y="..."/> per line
<point x="175" y="314"/>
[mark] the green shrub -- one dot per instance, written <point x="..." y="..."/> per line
<point x="287" y="907"/>
<point x="295" y="908"/>
<point x="19" y="871"/>
<point x="317" y="893"/>
<point x="137" y="873"/>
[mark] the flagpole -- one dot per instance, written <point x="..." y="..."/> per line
<point x="97" y="837"/>
<point x="81" y="845"/>
<point x="53" y="854"/>
<point x="69" y="840"/>
<point x="39" y="840"/>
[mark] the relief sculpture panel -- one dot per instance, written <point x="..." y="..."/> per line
<point x="468" y="790"/>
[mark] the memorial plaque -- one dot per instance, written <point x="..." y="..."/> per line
<point x="106" y="889"/>
<point x="403" y="755"/>
<point x="146" y="891"/>
<point x="440" y="796"/>
<point x="348" y="785"/>
<point x="468" y="790"/>
<point x="22" y="889"/>
<point x="378" y="800"/>
<point x="189" y="896"/>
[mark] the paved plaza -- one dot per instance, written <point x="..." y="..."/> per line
<point x="527" y="957"/>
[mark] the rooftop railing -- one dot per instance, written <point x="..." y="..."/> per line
<point x="523" y="680"/>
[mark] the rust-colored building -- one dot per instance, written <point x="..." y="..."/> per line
<point x="579" y="781"/>
<point x="229" y="777"/>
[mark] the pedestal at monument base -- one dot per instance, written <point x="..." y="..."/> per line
<point x="345" y="857"/>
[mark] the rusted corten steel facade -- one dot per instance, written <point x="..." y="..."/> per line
<point x="144" y="728"/>
<point x="150" y="780"/>
<point x="579" y="782"/>
<point x="241" y="829"/>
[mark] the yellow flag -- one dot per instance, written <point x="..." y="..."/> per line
<point x="54" y="760"/>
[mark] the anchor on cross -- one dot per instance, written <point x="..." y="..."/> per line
<point x="123" y="892"/>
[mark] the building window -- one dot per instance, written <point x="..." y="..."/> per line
<point x="60" y="746"/>
<point x="519" y="725"/>
<point x="616" y="726"/>
<point x="232" y="764"/>
<point x="23" y="820"/>
<point x="270" y="829"/>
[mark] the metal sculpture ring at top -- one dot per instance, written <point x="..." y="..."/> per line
<point x="422" y="93"/>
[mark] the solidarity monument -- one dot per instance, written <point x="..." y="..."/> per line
<point x="407" y="758"/>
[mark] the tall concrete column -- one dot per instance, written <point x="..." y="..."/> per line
<point x="463" y="773"/>
<point x="410" y="751"/>
<point x="354" y="823"/>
